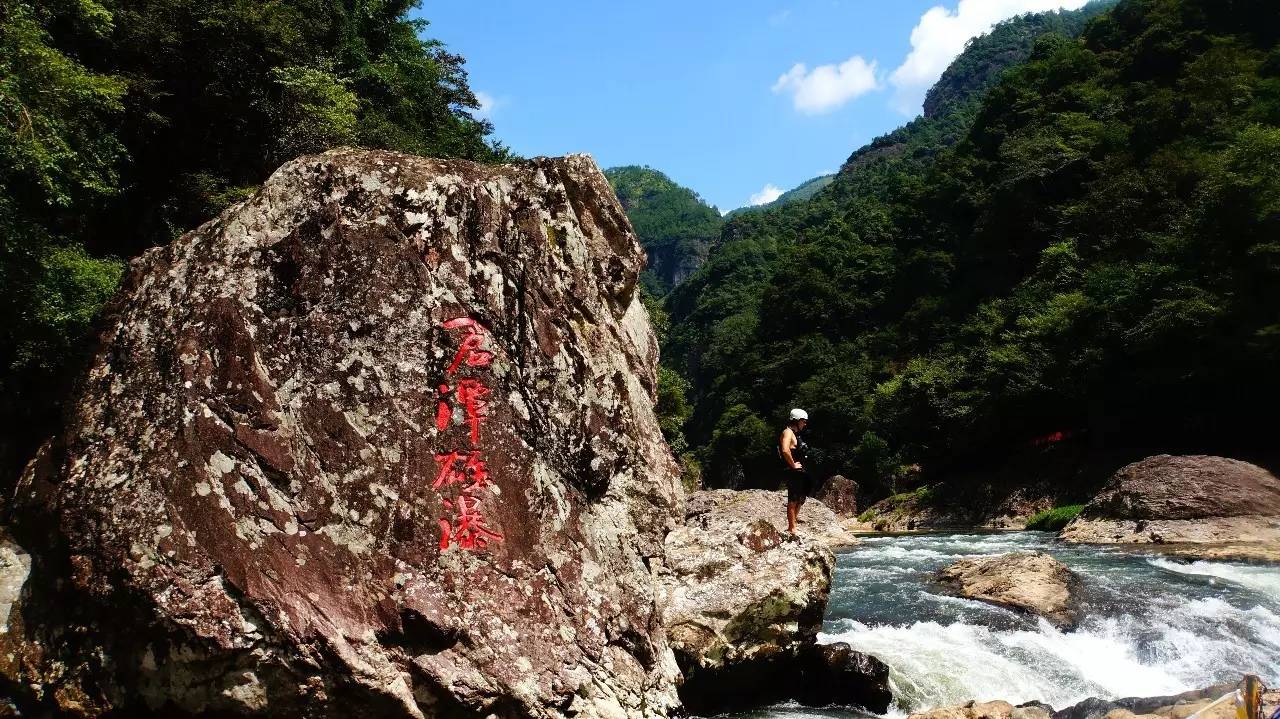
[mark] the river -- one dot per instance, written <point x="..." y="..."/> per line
<point x="1152" y="626"/>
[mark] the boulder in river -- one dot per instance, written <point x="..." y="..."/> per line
<point x="1031" y="582"/>
<point x="378" y="441"/>
<point x="744" y="605"/>
<point x="1185" y="500"/>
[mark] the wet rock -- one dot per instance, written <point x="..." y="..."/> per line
<point x="986" y="710"/>
<point x="1031" y="582"/>
<point x="840" y="495"/>
<point x="377" y="442"/>
<point x="836" y="674"/>
<point x="726" y="507"/>
<point x="1187" y="500"/>
<point x="1177" y="706"/>
<point x="744" y="605"/>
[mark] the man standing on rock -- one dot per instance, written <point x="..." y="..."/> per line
<point x="792" y="449"/>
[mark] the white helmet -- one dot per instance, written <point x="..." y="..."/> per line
<point x="797" y="414"/>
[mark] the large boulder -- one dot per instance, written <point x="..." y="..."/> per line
<point x="840" y="495"/>
<point x="1186" y="487"/>
<point x="744" y="604"/>
<point x="1193" y="499"/>
<point x="816" y="521"/>
<point x="1032" y="582"/>
<point x="379" y="441"/>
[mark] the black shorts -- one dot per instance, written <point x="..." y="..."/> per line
<point x="798" y="484"/>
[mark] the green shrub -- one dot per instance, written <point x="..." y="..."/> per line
<point x="900" y="504"/>
<point x="1051" y="520"/>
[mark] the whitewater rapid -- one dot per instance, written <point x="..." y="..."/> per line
<point x="1152" y="626"/>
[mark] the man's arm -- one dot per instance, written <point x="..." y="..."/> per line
<point x="789" y="443"/>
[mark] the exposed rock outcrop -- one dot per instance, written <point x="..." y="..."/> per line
<point x="377" y="442"/>
<point x="719" y="506"/>
<point x="1187" y="500"/>
<point x="744" y="606"/>
<point x="840" y="495"/>
<point x="1031" y="582"/>
<point x="940" y="508"/>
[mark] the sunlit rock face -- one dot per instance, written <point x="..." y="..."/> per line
<point x="377" y="442"/>
<point x="1197" y="505"/>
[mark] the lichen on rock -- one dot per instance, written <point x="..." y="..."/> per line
<point x="744" y="604"/>
<point x="380" y="437"/>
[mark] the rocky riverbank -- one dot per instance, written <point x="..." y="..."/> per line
<point x="382" y="436"/>
<point x="744" y="604"/>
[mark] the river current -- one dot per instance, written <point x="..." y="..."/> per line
<point x="1152" y="625"/>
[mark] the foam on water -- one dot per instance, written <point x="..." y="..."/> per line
<point x="1152" y="626"/>
<point x="1262" y="579"/>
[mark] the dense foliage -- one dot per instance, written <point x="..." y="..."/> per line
<point x="1053" y="520"/>
<point x="800" y="193"/>
<point x="1088" y="249"/>
<point x="123" y="124"/>
<point x="674" y="225"/>
<point x="1006" y="45"/>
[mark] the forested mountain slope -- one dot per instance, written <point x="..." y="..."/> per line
<point x="804" y="191"/>
<point x="674" y="225"/>
<point x="1089" y="250"/>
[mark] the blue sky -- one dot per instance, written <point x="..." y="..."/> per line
<point x="736" y="100"/>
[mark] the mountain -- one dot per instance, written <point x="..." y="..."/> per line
<point x="800" y="193"/>
<point x="1007" y="44"/>
<point x="675" y="226"/>
<point x="1080" y="244"/>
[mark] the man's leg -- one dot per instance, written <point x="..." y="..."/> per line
<point x="793" y="509"/>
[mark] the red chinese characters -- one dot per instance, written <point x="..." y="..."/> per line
<point x="464" y="471"/>
<point x="469" y="351"/>
<point x="471" y="475"/>
<point x="469" y="395"/>
<point x="467" y="530"/>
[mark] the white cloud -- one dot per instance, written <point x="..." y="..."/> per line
<point x="940" y="36"/>
<point x="488" y="103"/>
<point x="827" y="87"/>
<point x="770" y="193"/>
<point x="779" y="17"/>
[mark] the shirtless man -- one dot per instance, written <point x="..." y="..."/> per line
<point x="791" y="449"/>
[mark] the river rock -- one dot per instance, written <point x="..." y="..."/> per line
<point x="840" y="495"/>
<point x="1031" y="582"/>
<point x="1177" y="706"/>
<point x="816" y="521"/>
<point x="986" y="710"/>
<point x="378" y="441"/>
<point x="744" y="605"/>
<point x="1192" y="499"/>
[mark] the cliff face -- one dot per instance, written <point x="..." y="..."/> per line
<point x="675" y="226"/>
<point x="378" y="441"/>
